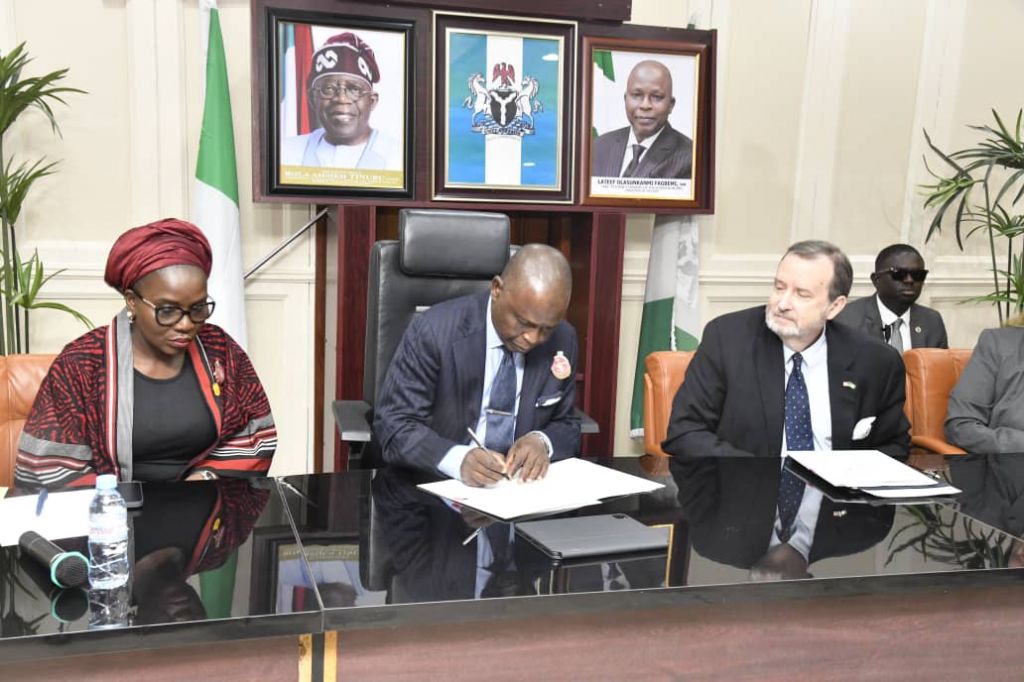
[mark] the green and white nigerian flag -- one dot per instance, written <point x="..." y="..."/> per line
<point x="671" y="311"/>
<point x="606" y="118"/>
<point x="215" y="195"/>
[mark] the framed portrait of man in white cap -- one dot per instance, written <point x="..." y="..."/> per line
<point x="341" y="107"/>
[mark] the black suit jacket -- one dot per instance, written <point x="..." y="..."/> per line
<point x="927" y="329"/>
<point x="671" y="155"/>
<point x="732" y="401"/>
<point x="435" y="383"/>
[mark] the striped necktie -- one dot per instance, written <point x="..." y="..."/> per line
<point x="501" y="418"/>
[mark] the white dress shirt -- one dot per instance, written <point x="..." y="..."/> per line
<point x="627" y="157"/>
<point x="888" y="317"/>
<point x="815" y="371"/>
<point x="451" y="464"/>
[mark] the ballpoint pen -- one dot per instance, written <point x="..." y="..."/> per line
<point x="472" y="535"/>
<point x="41" y="500"/>
<point x="476" y="441"/>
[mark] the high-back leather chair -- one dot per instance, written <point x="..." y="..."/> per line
<point x="664" y="374"/>
<point x="931" y="375"/>
<point x="439" y="254"/>
<point x="20" y="377"/>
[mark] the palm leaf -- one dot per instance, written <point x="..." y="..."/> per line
<point x="36" y="91"/>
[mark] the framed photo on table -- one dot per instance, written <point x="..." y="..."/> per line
<point x="503" y="108"/>
<point x="339" y="106"/>
<point x="284" y="585"/>
<point x="645" y="133"/>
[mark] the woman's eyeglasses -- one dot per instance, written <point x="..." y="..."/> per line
<point x="900" y="274"/>
<point x="169" y="315"/>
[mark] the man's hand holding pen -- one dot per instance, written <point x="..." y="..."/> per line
<point x="528" y="457"/>
<point x="482" y="467"/>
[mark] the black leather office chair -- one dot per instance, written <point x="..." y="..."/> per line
<point x="439" y="255"/>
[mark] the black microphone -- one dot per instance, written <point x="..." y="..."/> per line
<point x="67" y="569"/>
<point x="67" y="605"/>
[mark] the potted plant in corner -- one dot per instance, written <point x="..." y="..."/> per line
<point x="980" y="191"/>
<point x="21" y="280"/>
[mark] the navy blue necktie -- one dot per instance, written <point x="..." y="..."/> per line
<point x="501" y="418"/>
<point x="799" y="436"/>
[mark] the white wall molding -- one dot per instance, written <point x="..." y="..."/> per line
<point x="820" y="112"/>
<point x="8" y="26"/>
<point x="158" y="115"/>
<point x="939" y="74"/>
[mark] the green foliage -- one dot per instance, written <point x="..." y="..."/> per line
<point x="993" y="169"/>
<point x="950" y="538"/>
<point x="18" y="94"/>
<point x="29" y="278"/>
<point x="15" y="184"/>
<point x="20" y="281"/>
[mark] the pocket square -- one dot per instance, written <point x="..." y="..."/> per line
<point x="548" y="400"/>
<point x="863" y="428"/>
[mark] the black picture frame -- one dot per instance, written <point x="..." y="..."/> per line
<point x="294" y="145"/>
<point x="480" y="106"/>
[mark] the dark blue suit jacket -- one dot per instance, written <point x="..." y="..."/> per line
<point x="434" y="386"/>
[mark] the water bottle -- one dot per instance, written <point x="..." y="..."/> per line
<point x="108" y="536"/>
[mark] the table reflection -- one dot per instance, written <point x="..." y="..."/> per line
<point x="730" y="505"/>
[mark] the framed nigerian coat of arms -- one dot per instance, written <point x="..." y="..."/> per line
<point x="503" y="108"/>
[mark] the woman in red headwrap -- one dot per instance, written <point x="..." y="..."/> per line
<point x="158" y="394"/>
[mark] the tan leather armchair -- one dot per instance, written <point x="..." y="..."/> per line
<point x="931" y="375"/>
<point x="665" y="371"/>
<point x="20" y="377"/>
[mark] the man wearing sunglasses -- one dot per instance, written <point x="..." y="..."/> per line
<point x="893" y="314"/>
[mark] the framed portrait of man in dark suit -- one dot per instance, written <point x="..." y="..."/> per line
<point x="644" y="140"/>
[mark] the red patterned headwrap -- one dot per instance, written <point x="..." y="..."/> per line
<point x="142" y="250"/>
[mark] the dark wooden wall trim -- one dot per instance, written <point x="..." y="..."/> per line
<point x="604" y="298"/>
<point x="357" y="230"/>
<point x="320" y="341"/>
<point x="602" y="10"/>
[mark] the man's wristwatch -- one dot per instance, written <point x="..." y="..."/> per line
<point x="207" y="475"/>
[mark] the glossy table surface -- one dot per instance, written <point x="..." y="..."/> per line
<point x="216" y="561"/>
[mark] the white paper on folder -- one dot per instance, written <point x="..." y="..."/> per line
<point x="872" y="472"/>
<point x="569" y="484"/>
<point x="65" y="515"/>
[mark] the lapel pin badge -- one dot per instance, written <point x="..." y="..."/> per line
<point x="560" y="366"/>
<point x="839" y="513"/>
<point x="850" y="385"/>
<point x="917" y="329"/>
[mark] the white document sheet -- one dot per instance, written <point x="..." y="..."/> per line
<point x="569" y="484"/>
<point x="872" y="472"/>
<point x="65" y="515"/>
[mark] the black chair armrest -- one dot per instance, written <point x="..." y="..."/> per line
<point x="352" y="420"/>
<point x="587" y="425"/>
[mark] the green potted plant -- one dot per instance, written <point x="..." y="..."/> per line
<point x="21" y="280"/>
<point x="979" y="191"/>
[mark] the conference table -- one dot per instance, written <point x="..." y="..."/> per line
<point x="362" y="575"/>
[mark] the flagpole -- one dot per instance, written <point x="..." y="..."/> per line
<point x="283" y="245"/>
